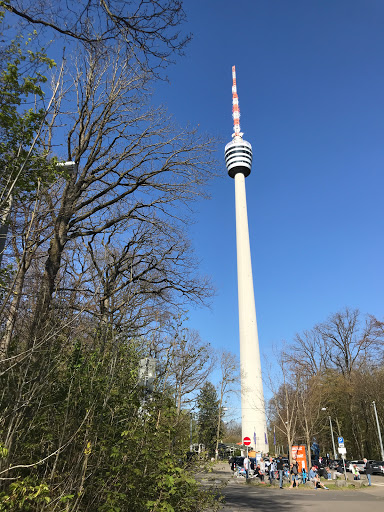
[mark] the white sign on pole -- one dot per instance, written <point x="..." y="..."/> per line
<point x="342" y="450"/>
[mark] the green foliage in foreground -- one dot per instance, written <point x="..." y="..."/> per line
<point x="23" y="162"/>
<point x="93" y="443"/>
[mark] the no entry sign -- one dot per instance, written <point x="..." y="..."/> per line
<point x="246" y="441"/>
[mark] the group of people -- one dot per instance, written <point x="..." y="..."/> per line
<point x="265" y="468"/>
<point x="269" y="468"/>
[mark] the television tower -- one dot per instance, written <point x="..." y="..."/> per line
<point x="238" y="159"/>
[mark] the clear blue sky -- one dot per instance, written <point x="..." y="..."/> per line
<point x="310" y="81"/>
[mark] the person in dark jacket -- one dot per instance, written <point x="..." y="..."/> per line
<point x="368" y="471"/>
<point x="294" y="474"/>
<point x="280" y="469"/>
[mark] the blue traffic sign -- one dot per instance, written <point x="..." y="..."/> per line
<point x="340" y="440"/>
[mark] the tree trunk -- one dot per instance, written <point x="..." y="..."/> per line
<point x="52" y="267"/>
<point x="12" y="315"/>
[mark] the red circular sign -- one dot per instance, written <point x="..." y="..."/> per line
<point x="247" y="441"/>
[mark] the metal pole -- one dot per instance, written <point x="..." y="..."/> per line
<point x="378" y="430"/>
<point x="191" y="431"/>
<point x="345" y="471"/>
<point x="333" y="441"/>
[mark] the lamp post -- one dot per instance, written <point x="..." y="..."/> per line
<point x="378" y="430"/>
<point x="191" y="432"/>
<point x="333" y="440"/>
<point x="221" y="411"/>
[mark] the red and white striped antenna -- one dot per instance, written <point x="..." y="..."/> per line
<point x="235" y="106"/>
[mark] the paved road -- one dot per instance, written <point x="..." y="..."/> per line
<point x="246" y="498"/>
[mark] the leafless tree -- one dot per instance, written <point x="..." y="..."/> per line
<point x="189" y="361"/>
<point x="132" y="165"/>
<point x="326" y="364"/>
<point x="229" y="378"/>
<point x="148" y="29"/>
<point x="284" y="404"/>
<point x="348" y="339"/>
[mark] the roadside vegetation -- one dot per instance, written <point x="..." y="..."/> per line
<point x="333" y="371"/>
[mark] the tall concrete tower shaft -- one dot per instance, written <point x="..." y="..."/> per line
<point x="238" y="158"/>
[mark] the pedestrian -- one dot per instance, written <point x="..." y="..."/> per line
<point x="280" y="469"/>
<point x="294" y="474"/>
<point x="339" y="470"/>
<point x="246" y="466"/>
<point x="271" y="469"/>
<point x="315" y="478"/>
<point x="368" y="471"/>
<point x="304" y="475"/>
<point x="262" y="465"/>
<point x="355" y="472"/>
<point x="259" y="474"/>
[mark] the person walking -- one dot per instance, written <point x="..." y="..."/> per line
<point x="246" y="464"/>
<point x="304" y="475"/>
<point x="280" y="469"/>
<point x="368" y="471"/>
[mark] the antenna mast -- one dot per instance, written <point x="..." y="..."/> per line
<point x="235" y="106"/>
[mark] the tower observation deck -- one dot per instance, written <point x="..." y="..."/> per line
<point x="238" y="159"/>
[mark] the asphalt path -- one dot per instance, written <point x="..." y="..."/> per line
<point x="246" y="498"/>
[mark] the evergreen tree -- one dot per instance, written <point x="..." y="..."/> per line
<point x="208" y="417"/>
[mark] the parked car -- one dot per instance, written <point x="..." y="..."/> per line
<point x="239" y="461"/>
<point x="377" y="467"/>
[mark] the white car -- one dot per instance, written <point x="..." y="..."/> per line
<point x="360" y="464"/>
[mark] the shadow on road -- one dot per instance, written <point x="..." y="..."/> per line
<point x="247" y="499"/>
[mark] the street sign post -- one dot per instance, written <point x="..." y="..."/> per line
<point x="247" y="442"/>
<point x="342" y="450"/>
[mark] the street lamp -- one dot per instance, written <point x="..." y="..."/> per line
<point x="333" y="441"/>
<point x="221" y="411"/>
<point x="378" y="430"/>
